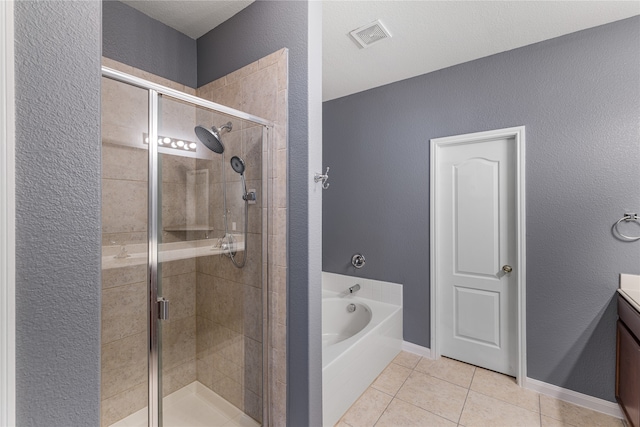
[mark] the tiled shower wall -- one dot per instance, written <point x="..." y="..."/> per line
<point x="219" y="343"/>
<point x="260" y="88"/>
<point x="228" y="299"/>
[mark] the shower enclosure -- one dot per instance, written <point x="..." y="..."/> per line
<point x="184" y="299"/>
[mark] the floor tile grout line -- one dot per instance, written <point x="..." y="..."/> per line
<point x="383" y="411"/>
<point x="424" y="409"/>
<point x="507" y="402"/>
<point x="372" y="387"/>
<point x="540" y="409"/>
<point x="467" y="396"/>
<point x="405" y="380"/>
<point x="382" y="391"/>
<point x="417" y="406"/>
<point x="397" y="391"/>
<point x="441" y="379"/>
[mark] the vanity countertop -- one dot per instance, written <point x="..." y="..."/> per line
<point x="630" y="289"/>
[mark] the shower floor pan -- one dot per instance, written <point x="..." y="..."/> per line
<point x="196" y="406"/>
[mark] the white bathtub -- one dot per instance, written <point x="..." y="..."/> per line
<point x="342" y="318"/>
<point x="357" y="345"/>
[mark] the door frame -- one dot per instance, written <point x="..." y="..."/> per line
<point x="436" y="145"/>
<point x="7" y="218"/>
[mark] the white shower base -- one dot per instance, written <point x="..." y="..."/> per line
<point x="195" y="406"/>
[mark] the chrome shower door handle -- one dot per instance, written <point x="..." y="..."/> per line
<point x="163" y="308"/>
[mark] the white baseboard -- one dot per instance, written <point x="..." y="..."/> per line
<point x="584" y="400"/>
<point x="416" y="349"/>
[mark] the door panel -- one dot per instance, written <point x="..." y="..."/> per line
<point x="477" y="245"/>
<point x="475" y="224"/>
<point x="477" y="316"/>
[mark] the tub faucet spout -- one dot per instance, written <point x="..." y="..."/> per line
<point x="354" y="288"/>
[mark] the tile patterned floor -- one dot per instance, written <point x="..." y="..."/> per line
<point x="418" y="392"/>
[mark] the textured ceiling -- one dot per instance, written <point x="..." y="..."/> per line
<point x="194" y="18"/>
<point x="431" y="35"/>
<point x="426" y="35"/>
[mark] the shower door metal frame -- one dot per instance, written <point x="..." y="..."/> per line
<point x="154" y="93"/>
<point x="154" y="404"/>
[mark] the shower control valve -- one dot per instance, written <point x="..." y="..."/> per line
<point x="358" y="261"/>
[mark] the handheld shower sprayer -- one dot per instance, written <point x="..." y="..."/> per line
<point x="237" y="164"/>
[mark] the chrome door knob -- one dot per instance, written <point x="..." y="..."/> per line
<point x="507" y="268"/>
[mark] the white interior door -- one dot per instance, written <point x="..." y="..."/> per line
<point x="476" y="252"/>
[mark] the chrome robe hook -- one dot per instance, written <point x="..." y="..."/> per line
<point x="318" y="177"/>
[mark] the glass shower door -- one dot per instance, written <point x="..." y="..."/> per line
<point x="184" y="249"/>
<point x="125" y="182"/>
<point x="210" y="345"/>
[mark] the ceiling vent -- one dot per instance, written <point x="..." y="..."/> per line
<point x="370" y="34"/>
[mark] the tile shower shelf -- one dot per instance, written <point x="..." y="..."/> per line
<point x="166" y="252"/>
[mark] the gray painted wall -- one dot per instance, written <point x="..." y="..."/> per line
<point x="133" y="38"/>
<point x="57" y="67"/>
<point x="579" y="98"/>
<point x="260" y="29"/>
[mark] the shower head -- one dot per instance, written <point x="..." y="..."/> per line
<point x="237" y="164"/>
<point x="211" y="137"/>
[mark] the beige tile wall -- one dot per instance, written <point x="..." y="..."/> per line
<point x="218" y="343"/>
<point x="260" y="89"/>
<point x="229" y="321"/>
